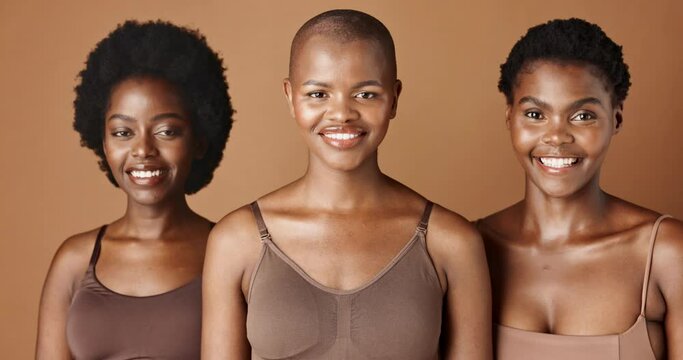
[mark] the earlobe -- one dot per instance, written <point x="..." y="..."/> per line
<point x="507" y="117"/>
<point x="287" y="87"/>
<point x="618" y="120"/>
<point x="398" y="87"/>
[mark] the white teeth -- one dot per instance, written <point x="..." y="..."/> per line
<point x="558" y="163"/>
<point x="341" y="136"/>
<point x="145" y="173"/>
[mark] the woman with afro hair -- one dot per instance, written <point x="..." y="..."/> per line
<point x="577" y="273"/>
<point x="153" y="105"/>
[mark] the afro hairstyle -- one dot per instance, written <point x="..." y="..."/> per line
<point x="175" y="54"/>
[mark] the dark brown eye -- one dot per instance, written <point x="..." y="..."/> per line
<point x="316" y="94"/>
<point x="533" y="115"/>
<point x="121" y="133"/>
<point x="584" y="116"/>
<point x="366" y="95"/>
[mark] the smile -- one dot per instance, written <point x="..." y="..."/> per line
<point x="559" y="162"/>
<point x="342" y="137"/>
<point x="143" y="174"/>
<point x="147" y="177"/>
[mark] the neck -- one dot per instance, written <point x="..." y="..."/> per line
<point x="153" y="221"/>
<point x="342" y="190"/>
<point x="558" y="220"/>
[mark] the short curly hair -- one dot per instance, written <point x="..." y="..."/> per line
<point x="568" y="40"/>
<point x="175" y="54"/>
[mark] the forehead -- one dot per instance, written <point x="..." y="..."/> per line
<point x="557" y="81"/>
<point x="322" y="56"/>
<point x="146" y="93"/>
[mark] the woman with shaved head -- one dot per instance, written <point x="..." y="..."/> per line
<point x="345" y="262"/>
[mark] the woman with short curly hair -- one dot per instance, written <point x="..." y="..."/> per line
<point x="152" y="103"/>
<point x="577" y="273"/>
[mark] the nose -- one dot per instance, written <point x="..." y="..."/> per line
<point x="558" y="133"/>
<point x="144" y="147"/>
<point x="341" y="109"/>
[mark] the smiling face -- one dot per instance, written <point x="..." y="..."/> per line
<point x="561" y="122"/>
<point x="148" y="140"/>
<point x="342" y="95"/>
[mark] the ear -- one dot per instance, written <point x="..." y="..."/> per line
<point x="287" y="87"/>
<point x="618" y="118"/>
<point x="508" y="108"/>
<point x="201" y="145"/>
<point x="398" y="87"/>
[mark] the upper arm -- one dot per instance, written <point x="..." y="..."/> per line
<point x="231" y="252"/>
<point x="669" y="273"/>
<point x="457" y="249"/>
<point x="68" y="267"/>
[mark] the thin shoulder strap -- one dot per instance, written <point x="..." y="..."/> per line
<point x="648" y="266"/>
<point x="96" y="250"/>
<point x="424" y="221"/>
<point x="262" y="229"/>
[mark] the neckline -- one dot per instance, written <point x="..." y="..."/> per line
<point x="168" y="292"/>
<point x="333" y="291"/>
<point x="92" y="268"/>
<point x="639" y="319"/>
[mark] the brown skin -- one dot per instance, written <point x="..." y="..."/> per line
<point x="335" y="220"/>
<point x="159" y="243"/>
<point x="569" y="258"/>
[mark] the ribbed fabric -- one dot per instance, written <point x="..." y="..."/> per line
<point x="397" y="315"/>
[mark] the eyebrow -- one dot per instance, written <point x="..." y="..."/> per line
<point x="315" y="83"/>
<point x="155" y="118"/>
<point x="535" y="101"/>
<point x="355" y="86"/>
<point x="578" y="103"/>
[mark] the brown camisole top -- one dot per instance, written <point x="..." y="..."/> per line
<point x="632" y="344"/>
<point x="103" y="324"/>
<point x="397" y="315"/>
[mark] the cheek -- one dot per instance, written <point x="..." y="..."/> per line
<point x="307" y="120"/>
<point x="523" y="138"/>
<point x="114" y="154"/>
<point x="596" y="142"/>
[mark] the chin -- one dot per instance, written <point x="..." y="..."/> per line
<point x="147" y="197"/>
<point x="559" y="189"/>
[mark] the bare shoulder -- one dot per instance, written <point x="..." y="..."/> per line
<point x="451" y="237"/>
<point x="71" y="261"/>
<point x="235" y="237"/>
<point x="498" y="224"/>
<point x="669" y="247"/>
<point x="76" y="250"/>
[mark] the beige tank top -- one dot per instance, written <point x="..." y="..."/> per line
<point x="397" y="315"/>
<point x="632" y="344"/>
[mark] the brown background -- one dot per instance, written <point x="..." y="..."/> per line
<point x="448" y="141"/>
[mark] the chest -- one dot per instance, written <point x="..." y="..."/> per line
<point x="146" y="269"/>
<point x="343" y="254"/>
<point x="588" y="290"/>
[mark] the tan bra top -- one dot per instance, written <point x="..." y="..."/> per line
<point x="104" y="324"/>
<point x="632" y="344"/>
<point x="397" y="315"/>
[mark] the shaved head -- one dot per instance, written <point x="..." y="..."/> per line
<point x="345" y="26"/>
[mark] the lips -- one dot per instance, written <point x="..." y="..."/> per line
<point x="342" y="137"/>
<point x="146" y="175"/>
